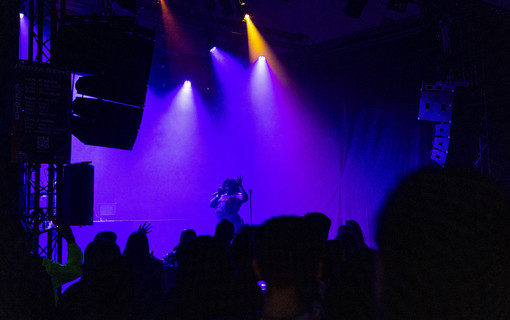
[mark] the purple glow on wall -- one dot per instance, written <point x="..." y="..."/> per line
<point x="231" y="74"/>
<point x="186" y="147"/>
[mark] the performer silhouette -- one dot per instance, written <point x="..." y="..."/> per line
<point x="228" y="200"/>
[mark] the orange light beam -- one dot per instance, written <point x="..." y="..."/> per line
<point x="257" y="46"/>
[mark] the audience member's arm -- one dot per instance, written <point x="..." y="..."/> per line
<point x="243" y="196"/>
<point x="63" y="273"/>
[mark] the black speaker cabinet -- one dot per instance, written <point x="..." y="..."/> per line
<point x="78" y="207"/>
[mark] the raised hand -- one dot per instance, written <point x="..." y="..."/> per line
<point x="240" y="180"/>
<point x="146" y="227"/>
<point x="64" y="230"/>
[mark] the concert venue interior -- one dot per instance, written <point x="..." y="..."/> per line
<point x="316" y="104"/>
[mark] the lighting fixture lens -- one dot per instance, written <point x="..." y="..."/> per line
<point x="21" y="15"/>
<point x="213" y="49"/>
<point x="262" y="286"/>
<point x="187" y="83"/>
<point x="262" y="58"/>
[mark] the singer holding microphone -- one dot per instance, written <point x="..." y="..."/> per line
<point x="228" y="200"/>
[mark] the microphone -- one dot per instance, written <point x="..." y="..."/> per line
<point x="219" y="192"/>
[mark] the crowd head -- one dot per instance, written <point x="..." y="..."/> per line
<point x="443" y="242"/>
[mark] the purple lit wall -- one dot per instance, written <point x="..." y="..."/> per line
<point x="187" y="146"/>
<point x="334" y="138"/>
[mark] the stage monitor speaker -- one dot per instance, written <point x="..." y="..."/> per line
<point x="78" y="207"/>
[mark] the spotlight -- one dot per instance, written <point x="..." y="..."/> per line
<point x="262" y="285"/>
<point x="213" y="49"/>
<point x="262" y="58"/>
<point x="22" y="10"/>
<point x="246" y="17"/>
<point x="187" y="83"/>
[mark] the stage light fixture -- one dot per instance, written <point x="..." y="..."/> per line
<point x="262" y="58"/>
<point x="22" y="9"/>
<point x="246" y="17"/>
<point x="187" y="83"/>
<point x="213" y="49"/>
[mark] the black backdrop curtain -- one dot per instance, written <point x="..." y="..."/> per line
<point x="370" y="97"/>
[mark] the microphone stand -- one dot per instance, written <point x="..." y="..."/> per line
<point x="251" y="208"/>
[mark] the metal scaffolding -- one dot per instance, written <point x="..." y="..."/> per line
<point x="43" y="203"/>
<point x="41" y="15"/>
<point x="43" y="182"/>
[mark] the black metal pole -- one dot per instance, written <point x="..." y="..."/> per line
<point x="251" y="208"/>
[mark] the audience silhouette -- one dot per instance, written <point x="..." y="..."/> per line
<point x="443" y="241"/>
<point x="107" y="236"/>
<point x="105" y="290"/>
<point x="319" y="222"/>
<point x="26" y="289"/>
<point x="287" y="259"/>
<point x="148" y="275"/>
<point x="248" y="296"/>
<point x="204" y="287"/>
<point x="225" y="232"/>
